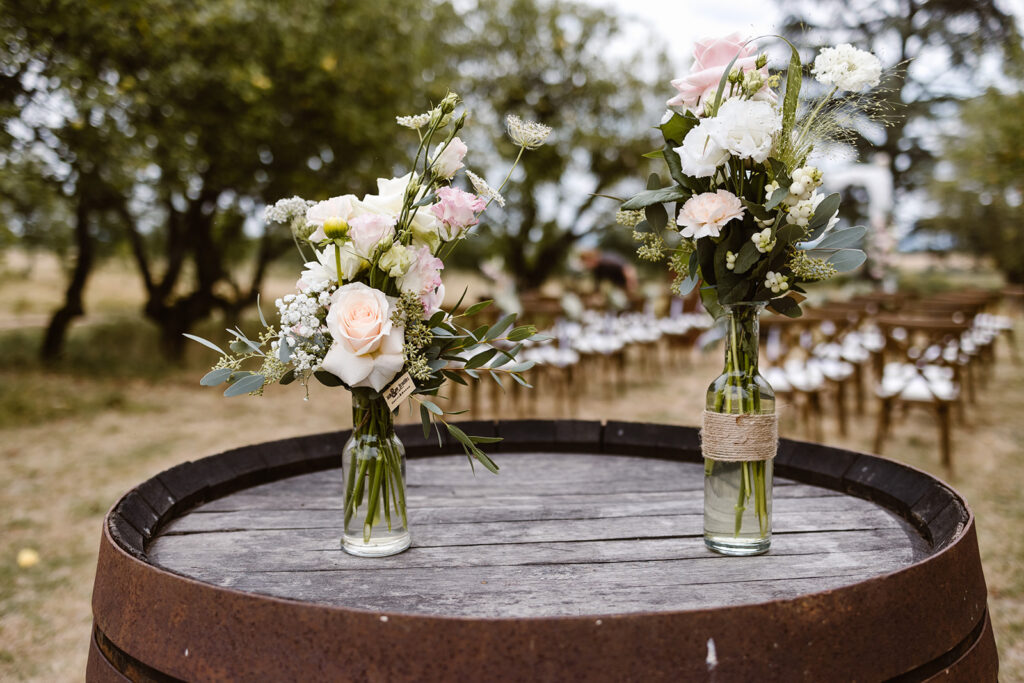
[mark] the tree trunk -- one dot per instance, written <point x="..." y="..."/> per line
<point x="56" y="331"/>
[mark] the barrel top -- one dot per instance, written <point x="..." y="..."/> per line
<point x="587" y="524"/>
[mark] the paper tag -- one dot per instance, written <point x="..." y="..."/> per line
<point x="399" y="390"/>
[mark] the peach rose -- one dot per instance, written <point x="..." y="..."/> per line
<point x="367" y="349"/>
<point x="703" y="215"/>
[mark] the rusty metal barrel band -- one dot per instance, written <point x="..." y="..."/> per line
<point x="151" y="615"/>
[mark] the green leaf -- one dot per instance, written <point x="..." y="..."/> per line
<point x="777" y="197"/>
<point x="480" y="332"/>
<point x="284" y="352"/>
<point x="432" y="407"/>
<point x="653" y="181"/>
<point x="522" y="332"/>
<point x="657" y="216"/>
<point x="499" y="328"/>
<point x="246" y="385"/>
<point x="480" y="358"/>
<point x="522" y="381"/>
<point x="687" y="284"/>
<point x="838" y="239"/>
<point x="676" y="128"/>
<point x="485" y="439"/>
<point x="656" y="154"/>
<point x="790" y="233"/>
<point x="747" y="257"/>
<point x="477" y="307"/>
<point x="328" y="379"/>
<point x="824" y="211"/>
<point x="215" y="377"/>
<point x="706" y="255"/>
<point x="709" y="297"/>
<point x="787" y="306"/>
<point x="425" y="421"/>
<point x="259" y="310"/>
<point x="455" y="377"/>
<point x="794" y="77"/>
<point x="735" y="293"/>
<point x="461" y="298"/>
<point x="847" y="259"/>
<point x="497" y="380"/>
<point x="287" y="378"/>
<point x="522" y="367"/>
<point x="675" y="166"/>
<point x="648" y="197"/>
<point x="541" y="338"/>
<point x="207" y="344"/>
<point x="756" y="209"/>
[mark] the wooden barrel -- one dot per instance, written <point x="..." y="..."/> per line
<point x="583" y="560"/>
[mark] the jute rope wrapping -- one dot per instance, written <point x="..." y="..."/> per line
<point x="739" y="438"/>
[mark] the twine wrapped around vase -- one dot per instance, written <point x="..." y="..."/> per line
<point x="739" y="438"/>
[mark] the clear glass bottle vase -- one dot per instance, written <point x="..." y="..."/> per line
<point x="373" y="467"/>
<point x="738" y="494"/>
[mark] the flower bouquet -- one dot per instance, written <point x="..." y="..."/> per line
<point x="750" y="226"/>
<point x="367" y="316"/>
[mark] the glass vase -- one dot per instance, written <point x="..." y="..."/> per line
<point x="373" y="467"/>
<point x="738" y="490"/>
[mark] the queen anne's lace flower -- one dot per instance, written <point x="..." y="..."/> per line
<point x="484" y="190"/>
<point x="847" y="68"/>
<point x="415" y="122"/>
<point x="528" y="134"/>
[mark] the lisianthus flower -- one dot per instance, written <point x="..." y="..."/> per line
<point x="704" y="215"/>
<point x="699" y="154"/>
<point x="367" y="231"/>
<point x="343" y="208"/>
<point x="325" y="269"/>
<point x="746" y="128"/>
<point x="388" y="200"/>
<point x="424" y="275"/>
<point x="847" y="68"/>
<point x="367" y="348"/>
<point x="457" y="210"/>
<point x="448" y="161"/>
<point x="396" y="261"/>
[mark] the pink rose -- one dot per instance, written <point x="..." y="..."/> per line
<point x="367" y="349"/>
<point x="710" y="57"/>
<point x="703" y="215"/>
<point x="457" y="210"/>
<point x="447" y="162"/>
<point x="369" y="230"/>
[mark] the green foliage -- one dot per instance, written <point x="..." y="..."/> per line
<point x="982" y="201"/>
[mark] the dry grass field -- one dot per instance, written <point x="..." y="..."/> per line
<point x="73" y="439"/>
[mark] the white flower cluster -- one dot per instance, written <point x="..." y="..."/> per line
<point x="286" y="210"/>
<point x="763" y="240"/>
<point x="302" y="326"/>
<point x="528" y="134"/>
<point x="415" y="122"/>
<point x="484" y="190"/>
<point x="742" y="128"/>
<point x="777" y="282"/>
<point x="847" y="68"/>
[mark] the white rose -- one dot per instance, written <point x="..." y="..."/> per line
<point x="388" y="200"/>
<point x="700" y="154"/>
<point x="367" y="349"/>
<point x="343" y="208"/>
<point x="746" y="128"/>
<point x="447" y="162"/>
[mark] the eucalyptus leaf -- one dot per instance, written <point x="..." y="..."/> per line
<point x="747" y="257"/>
<point x="522" y="367"/>
<point x="839" y="239"/>
<point x="653" y="181"/>
<point x="499" y="328"/>
<point x="425" y="421"/>
<point x="245" y="385"/>
<point x="787" y="306"/>
<point x="477" y="307"/>
<point x="657" y="216"/>
<point x="432" y="407"/>
<point x="207" y="344"/>
<point x="648" y="197"/>
<point x="521" y="333"/>
<point x="847" y="259"/>
<point x="287" y="378"/>
<point x="687" y="284"/>
<point x="284" y="351"/>
<point x="756" y="209"/>
<point x="777" y="196"/>
<point x="789" y="233"/>
<point x="480" y="358"/>
<point x="328" y="379"/>
<point x="259" y="309"/>
<point x="823" y="212"/>
<point x="454" y="376"/>
<point x="215" y="377"/>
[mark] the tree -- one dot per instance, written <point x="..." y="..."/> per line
<point x="172" y="122"/>
<point x="934" y="47"/>
<point x="551" y="62"/>
<point x="981" y="195"/>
